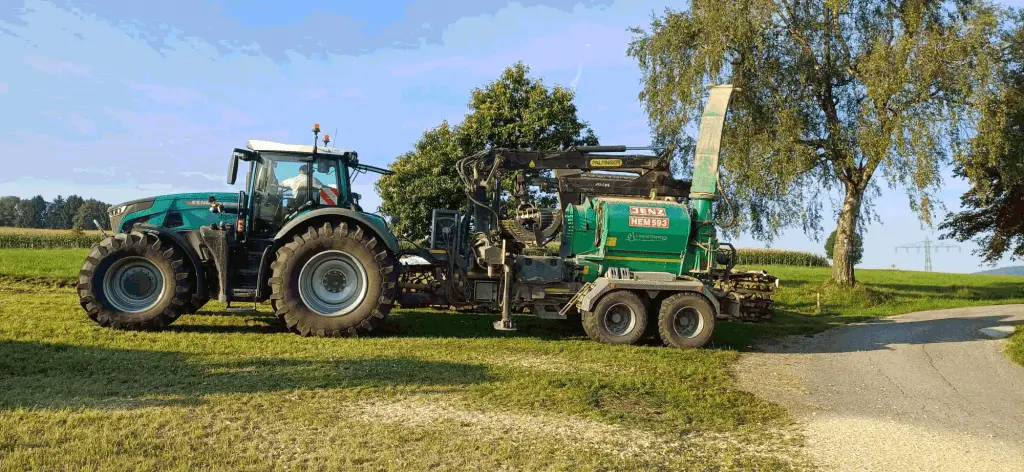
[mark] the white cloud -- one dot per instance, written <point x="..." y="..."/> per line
<point x="211" y="177"/>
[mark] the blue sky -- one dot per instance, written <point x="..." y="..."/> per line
<point x="122" y="99"/>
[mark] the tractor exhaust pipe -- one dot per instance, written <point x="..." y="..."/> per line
<point x="99" y="227"/>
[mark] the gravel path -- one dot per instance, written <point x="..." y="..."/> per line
<point x="921" y="391"/>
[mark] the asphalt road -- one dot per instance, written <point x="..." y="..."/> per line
<point x="921" y="391"/>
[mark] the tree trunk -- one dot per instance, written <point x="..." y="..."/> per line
<point x="842" y="269"/>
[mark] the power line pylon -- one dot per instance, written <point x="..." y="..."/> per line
<point x="928" y="246"/>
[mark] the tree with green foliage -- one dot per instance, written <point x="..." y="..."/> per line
<point x="9" y="211"/>
<point x="40" y="204"/>
<point x="833" y="96"/>
<point x="856" y="248"/>
<point x="52" y="214"/>
<point x="89" y="210"/>
<point x="514" y="111"/>
<point x="993" y="208"/>
<point x="67" y="214"/>
<point x="423" y="179"/>
<point x="26" y="213"/>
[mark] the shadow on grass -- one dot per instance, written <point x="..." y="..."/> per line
<point x="746" y="336"/>
<point x="438" y="324"/>
<point x="402" y="323"/>
<point x="35" y="374"/>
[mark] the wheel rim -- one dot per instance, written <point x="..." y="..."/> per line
<point x="687" y="322"/>
<point x="332" y="283"/>
<point x="619" y="319"/>
<point x="133" y="285"/>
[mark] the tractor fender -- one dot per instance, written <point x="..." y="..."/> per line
<point x="178" y="240"/>
<point x="340" y="213"/>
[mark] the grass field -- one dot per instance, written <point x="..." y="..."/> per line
<point x="438" y="391"/>
<point x="1015" y="349"/>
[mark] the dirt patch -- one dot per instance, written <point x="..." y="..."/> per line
<point x="616" y="439"/>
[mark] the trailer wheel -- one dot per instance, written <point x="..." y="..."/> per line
<point x="618" y="318"/>
<point x="332" y="281"/>
<point x="686" y="320"/>
<point x="132" y="281"/>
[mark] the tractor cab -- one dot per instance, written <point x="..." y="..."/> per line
<point x="287" y="180"/>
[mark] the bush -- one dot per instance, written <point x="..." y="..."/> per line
<point x="779" y="257"/>
<point x="856" y="253"/>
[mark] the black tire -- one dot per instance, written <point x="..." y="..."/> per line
<point x="196" y="303"/>
<point x="155" y="261"/>
<point x="601" y="323"/>
<point x="358" y="245"/>
<point x="697" y="318"/>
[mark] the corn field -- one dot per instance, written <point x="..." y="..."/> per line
<point x="27" y="238"/>
<point x="754" y="257"/>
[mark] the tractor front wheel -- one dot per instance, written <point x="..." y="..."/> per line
<point x="334" y="280"/>
<point x="133" y="281"/>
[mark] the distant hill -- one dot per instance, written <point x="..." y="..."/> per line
<point x="1016" y="270"/>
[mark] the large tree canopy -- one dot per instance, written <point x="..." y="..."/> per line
<point x="833" y="94"/>
<point x="514" y="111"/>
<point x="993" y="208"/>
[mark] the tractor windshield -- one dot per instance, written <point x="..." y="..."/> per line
<point x="282" y="185"/>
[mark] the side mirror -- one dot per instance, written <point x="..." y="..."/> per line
<point x="233" y="169"/>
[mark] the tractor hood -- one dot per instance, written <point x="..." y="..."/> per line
<point x="180" y="211"/>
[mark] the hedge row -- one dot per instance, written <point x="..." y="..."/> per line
<point x="780" y="257"/>
<point x="48" y="240"/>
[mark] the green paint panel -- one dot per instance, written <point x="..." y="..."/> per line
<point x="181" y="212"/>
<point x="641" y="235"/>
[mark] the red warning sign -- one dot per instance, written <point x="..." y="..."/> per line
<point x="648" y="222"/>
<point x="647" y="217"/>
<point x="647" y="211"/>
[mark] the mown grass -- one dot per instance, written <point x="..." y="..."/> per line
<point x="1015" y="348"/>
<point x="435" y="390"/>
<point x="44" y="266"/>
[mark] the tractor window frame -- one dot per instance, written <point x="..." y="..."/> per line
<point x="264" y="159"/>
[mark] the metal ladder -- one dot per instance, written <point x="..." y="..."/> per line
<point x="574" y="301"/>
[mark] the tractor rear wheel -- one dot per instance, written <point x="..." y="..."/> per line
<point x="686" y="320"/>
<point x="334" y="280"/>
<point x="618" y="318"/>
<point x="197" y="303"/>
<point x="133" y="281"/>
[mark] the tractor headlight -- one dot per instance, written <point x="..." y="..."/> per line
<point x="118" y="211"/>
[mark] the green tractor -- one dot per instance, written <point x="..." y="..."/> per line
<point x="295" y="236"/>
